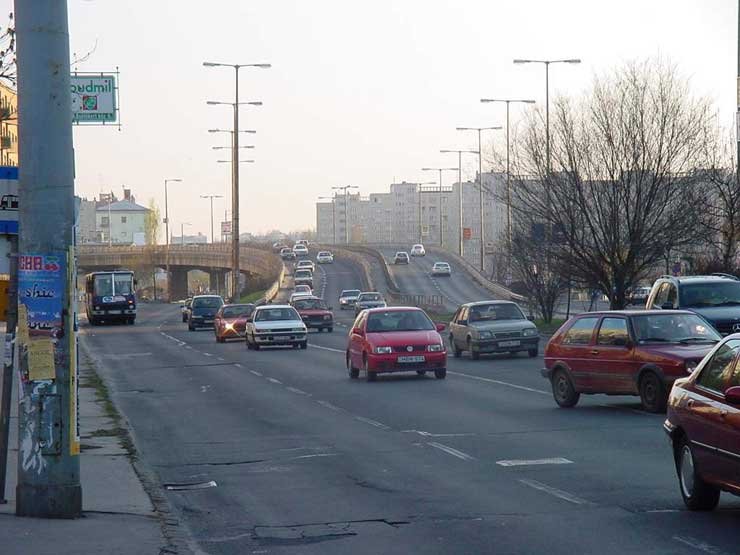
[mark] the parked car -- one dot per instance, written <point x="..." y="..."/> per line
<point x="399" y="339"/>
<point x="275" y="325"/>
<point x="287" y="254"/>
<point x="203" y="310"/>
<point x="626" y="352"/>
<point x="348" y="297"/>
<point x="305" y="265"/>
<point x="300" y="249"/>
<point x="314" y="312"/>
<point x="303" y="277"/>
<point x="185" y="309"/>
<point x="492" y="327"/>
<point x="441" y="269"/>
<point x="325" y="257"/>
<point x="401" y="258"/>
<point x="368" y="300"/>
<point x="703" y="424"/>
<point x="715" y="297"/>
<point x="639" y="296"/>
<point x="231" y="321"/>
<point x="418" y="250"/>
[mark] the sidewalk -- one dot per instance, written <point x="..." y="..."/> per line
<point x="118" y="515"/>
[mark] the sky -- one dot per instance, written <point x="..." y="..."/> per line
<point x="360" y="93"/>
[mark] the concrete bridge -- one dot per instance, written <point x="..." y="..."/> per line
<point x="258" y="266"/>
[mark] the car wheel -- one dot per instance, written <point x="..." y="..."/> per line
<point x="441" y="373"/>
<point x="697" y="494"/>
<point x="220" y="339"/>
<point x="474" y="354"/>
<point x="653" y="393"/>
<point x="421" y="372"/>
<point x="304" y="345"/>
<point x="255" y="345"/>
<point x="371" y="376"/>
<point x="453" y="347"/>
<point x="354" y="373"/>
<point x="533" y="352"/>
<point x="563" y="391"/>
<point x="191" y="327"/>
<point x="330" y="330"/>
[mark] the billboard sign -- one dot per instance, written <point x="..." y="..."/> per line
<point x="93" y="98"/>
<point x="225" y="228"/>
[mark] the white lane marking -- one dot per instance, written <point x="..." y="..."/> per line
<point x="372" y="422"/>
<point x="499" y="382"/>
<point x="221" y="359"/>
<point x="238" y="365"/>
<point x="254" y="372"/>
<point x="296" y="390"/>
<point x="560" y="494"/>
<point x="699" y="544"/>
<point x="533" y="462"/>
<point x="451" y="451"/>
<point x="315" y="456"/>
<point x="326" y="348"/>
<point x="127" y="355"/>
<point x="175" y="339"/>
<point x="273" y="380"/>
<point x="328" y="405"/>
<point x="207" y="354"/>
<point x="204" y="388"/>
<point x="430" y="434"/>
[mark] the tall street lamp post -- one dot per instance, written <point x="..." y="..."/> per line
<point x="418" y="190"/>
<point x="333" y="200"/>
<point x="346" y="188"/>
<point x="459" y="192"/>
<point x="166" y="232"/>
<point x="211" y="197"/>
<point x="480" y="188"/>
<point x="440" y="170"/>
<point x="235" y="169"/>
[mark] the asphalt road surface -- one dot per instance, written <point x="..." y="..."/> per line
<point x="308" y="461"/>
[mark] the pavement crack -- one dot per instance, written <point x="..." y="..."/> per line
<point x="225" y="463"/>
<point x="369" y="485"/>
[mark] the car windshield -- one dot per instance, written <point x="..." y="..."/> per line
<point x="275" y="314"/>
<point x="310" y="304"/>
<point x="208" y="302"/>
<point x="673" y="328"/>
<point x="398" y="320"/>
<point x="369" y="297"/>
<point x="303" y="273"/>
<point x="238" y="310"/>
<point x="350" y="293"/>
<point x="700" y="295"/>
<point x="504" y="311"/>
<point x="302" y="289"/>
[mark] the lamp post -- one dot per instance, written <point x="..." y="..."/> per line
<point x="508" y="101"/>
<point x="440" y="170"/>
<point x="480" y="188"/>
<point x="211" y="197"/>
<point x="346" y="188"/>
<point x="459" y="191"/>
<point x="333" y="200"/>
<point x="182" y="232"/>
<point x="166" y="232"/>
<point x="235" y="168"/>
<point x="418" y="190"/>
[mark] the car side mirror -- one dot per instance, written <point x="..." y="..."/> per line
<point x="732" y="395"/>
<point x="441" y="327"/>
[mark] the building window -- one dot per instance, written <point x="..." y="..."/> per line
<point x="123" y="219"/>
<point x="104" y="221"/>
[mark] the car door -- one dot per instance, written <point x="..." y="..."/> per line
<point x="728" y="441"/>
<point x="454" y="325"/>
<point x="613" y="356"/>
<point x="461" y="327"/>
<point x="575" y="350"/>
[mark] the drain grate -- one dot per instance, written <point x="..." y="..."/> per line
<point x="190" y="486"/>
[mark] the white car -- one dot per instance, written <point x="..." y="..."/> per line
<point x="300" y="291"/>
<point x="300" y="250"/>
<point x="418" y="250"/>
<point x="325" y="257"/>
<point x="305" y="265"/>
<point x="275" y="325"/>
<point x="348" y="297"/>
<point x="441" y="269"/>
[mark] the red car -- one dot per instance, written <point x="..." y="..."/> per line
<point x="627" y="352"/>
<point x="704" y="426"/>
<point x="399" y="339"/>
<point x="314" y="313"/>
<point x="231" y="320"/>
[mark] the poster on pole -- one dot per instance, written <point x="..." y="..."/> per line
<point x="94" y="98"/>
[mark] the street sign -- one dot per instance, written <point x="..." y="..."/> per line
<point x="225" y="228"/>
<point x="8" y="200"/>
<point x="93" y="98"/>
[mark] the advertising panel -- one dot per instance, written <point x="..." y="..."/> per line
<point x="93" y="98"/>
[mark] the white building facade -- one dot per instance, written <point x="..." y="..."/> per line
<point x="120" y="222"/>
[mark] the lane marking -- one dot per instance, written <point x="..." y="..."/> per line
<point x="207" y="354"/>
<point x="238" y="365"/>
<point x="372" y="422"/>
<point x="560" y="494"/>
<point x="296" y="390"/>
<point x="316" y="455"/>
<point x="499" y="382"/>
<point x="430" y="434"/>
<point x="329" y="406"/>
<point x="253" y="372"/>
<point x="221" y="359"/>
<point x="533" y="462"/>
<point x="273" y="380"/>
<point x="326" y="348"/>
<point x="451" y="451"/>
<point x="699" y="544"/>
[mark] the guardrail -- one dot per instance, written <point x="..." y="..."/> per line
<point x="273" y="291"/>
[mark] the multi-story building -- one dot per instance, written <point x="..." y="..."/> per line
<point x="8" y="126"/>
<point x="121" y="221"/>
<point x="86" y="222"/>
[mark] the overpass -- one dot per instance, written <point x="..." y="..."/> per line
<point x="259" y="266"/>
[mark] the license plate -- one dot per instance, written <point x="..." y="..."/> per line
<point x="208" y="321"/>
<point x="114" y="312"/>
<point x="411" y="359"/>
<point x="509" y="343"/>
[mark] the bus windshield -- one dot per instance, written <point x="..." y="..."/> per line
<point x="104" y="285"/>
<point x="123" y="284"/>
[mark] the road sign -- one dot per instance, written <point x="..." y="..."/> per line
<point x="225" y="228"/>
<point x="93" y="98"/>
<point x="8" y="200"/>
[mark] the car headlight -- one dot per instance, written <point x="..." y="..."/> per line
<point x="229" y="326"/>
<point x="691" y="365"/>
<point x="529" y="332"/>
<point x="434" y="348"/>
<point x="485" y="334"/>
<point x="300" y="330"/>
<point x="327" y="316"/>
<point x="383" y="350"/>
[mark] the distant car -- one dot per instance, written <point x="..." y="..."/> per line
<point x="325" y="257"/>
<point x="314" y="312"/>
<point x="626" y="352"/>
<point x="639" y="296"/>
<point x="418" y="250"/>
<point x="300" y="250"/>
<point x="305" y="265"/>
<point x="347" y="298"/>
<point x="441" y="269"/>
<point x="303" y="277"/>
<point x="368" y="300"/>
<point x="303" y="242"/>
<point x="203" y="310"/>
<point x="703" y="423"/>
<point x="398" y="339"/>
<point x="401" y="258"/>
<point x="492" y="327"/>
<point x="278" y="247"/>
<point x="185" y="309"/>
<point x="287" y="254"/>
<point x="275" y="325"/>
<point x="231" y="321"/>
<point x="300" y="291"/>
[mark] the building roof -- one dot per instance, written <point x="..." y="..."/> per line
<point x="122" y="206"/>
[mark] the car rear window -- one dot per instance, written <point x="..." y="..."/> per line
<point x="580" y="332"/>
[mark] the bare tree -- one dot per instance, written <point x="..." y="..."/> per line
<point x="151" y="224"/>
<point x="622" y="190"/>
<point x="7" y="52"/>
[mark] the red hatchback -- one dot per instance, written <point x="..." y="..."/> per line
<point x="231" y="320"/>
<point x="399" y="339"/>
<point x="314" y="313"/>
<point x="704" y="426"/>
<point x="627" y="352"/>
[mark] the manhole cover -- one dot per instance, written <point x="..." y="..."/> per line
<point x="190" y="486"/>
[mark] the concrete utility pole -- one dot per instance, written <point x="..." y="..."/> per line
<point x="167" y="234"/>
<point x="48" y="467"/>
<point x="737" y="115"/>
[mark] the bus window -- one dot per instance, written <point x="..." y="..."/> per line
<point x="123" y="284"/>
<point x="104" y="285"/>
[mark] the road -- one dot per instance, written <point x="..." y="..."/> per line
<point x="308" y="461"/>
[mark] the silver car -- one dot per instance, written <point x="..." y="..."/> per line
<point x="275" y="325"/>
<point x="492" y="327"/>
<point x="348" y="298"/>
<point x="369" y="300"/>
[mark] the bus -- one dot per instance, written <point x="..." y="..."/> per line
<point x="110" y="297"/>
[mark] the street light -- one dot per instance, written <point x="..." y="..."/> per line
<point x="231" y="161"/>
<point x="459" y="189"/>
<point x="235" y="169"/>
<point x="211" y="197"/>
<point x="346" y="188"/>
<point x="230" y="147"/>
<point x="182" y="232"/>
<point x="440" y="170"/>
<point x="480" y="187"/>
<point x="167" y="233"/>
<point x="252" y="131"/>
<point x="508" y="101"/>
<point x="333" y="199"/>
